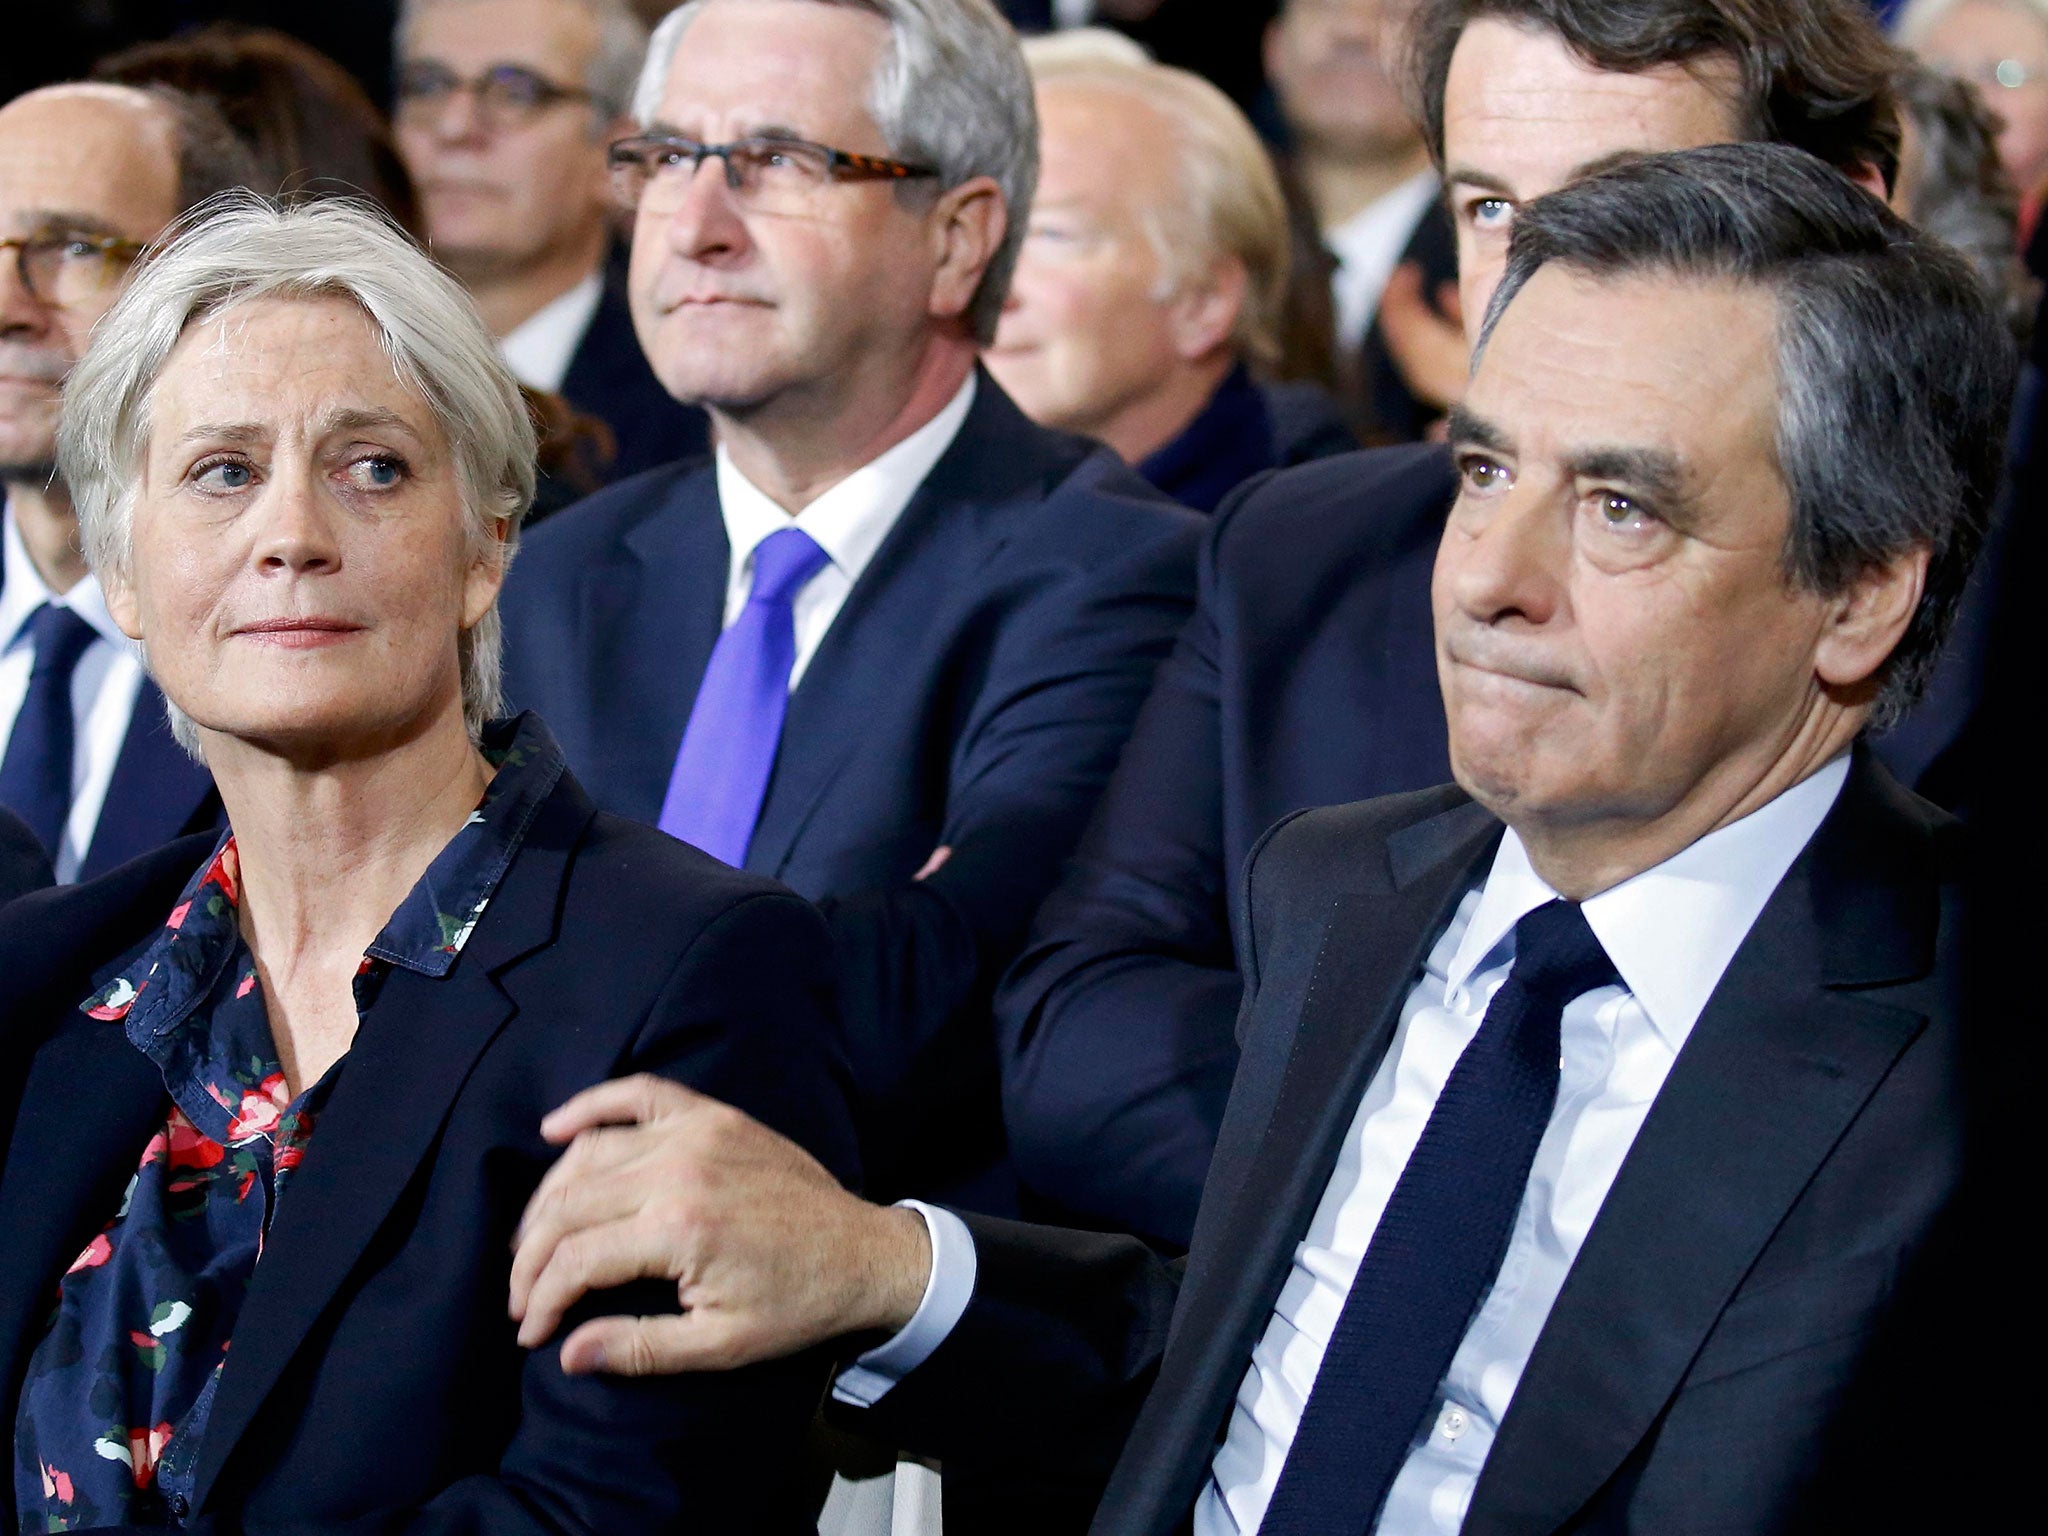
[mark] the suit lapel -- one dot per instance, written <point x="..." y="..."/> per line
<point x="1779" y="1064"/>
<point x="651" y="616"/>
<point x="89" y="1104"/>
<point x="382" y="1123"/>
<point x="157" y="791"/>
<point x="936" y="543"/>
<point x="1347" y="1020"/>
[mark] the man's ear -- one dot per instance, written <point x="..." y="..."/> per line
<point x="1204" y="313"/>
<point x="1870" y="179"/>
<point x="1867" y="620"/>
<point x="968" y="224"/>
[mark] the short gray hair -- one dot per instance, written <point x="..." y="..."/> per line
<point x="1895" y="370"/>
<point x="951" y="92"/>
<point x="621" y="44"/>
<point x="240" y="247"/>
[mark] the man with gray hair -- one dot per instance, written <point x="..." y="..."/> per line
<point x="1595" y="1152"/>
<point x="502" y="111"/>
<point x="89" y="175"/>
<point x="888" y="646"/>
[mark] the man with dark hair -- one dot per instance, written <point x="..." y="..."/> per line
<point x="1600" y="1117"/>
<point x="89" y="174"/>
<point x="1306" y="676"/>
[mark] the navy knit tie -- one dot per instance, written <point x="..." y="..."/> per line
<point x="35" y="776"/>
<point x="1439" y="1243"/>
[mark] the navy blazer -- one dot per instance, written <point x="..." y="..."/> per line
<point x="973" y="693"/>
<point x="1740" y="1338"/>
<point x="609" y="378"/>
<point x="157" y="792"/>
<point x="1307" y="676"/>
<point x="375" y="1382"/>
<point x="24" y="866"/>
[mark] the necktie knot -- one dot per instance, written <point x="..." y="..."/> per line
<point x="1557" y="954"/>
<point x="60" y="636"/>
<point x="783" y="562"/>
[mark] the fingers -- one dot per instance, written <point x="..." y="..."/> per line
<point x="592" y="1258"/>
<point x="575" y="1193"/>
<point x="624" y="1101"/>
<point x="657" y="1346"/>
<point x="933" y="864"/>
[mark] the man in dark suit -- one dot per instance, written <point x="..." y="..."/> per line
<point x="24" y="865"/>
<point x="1598" y="1118"/>
<point x="887" y="647"/>
<point x="1307" y="675"/>
<point x="502" y="111"/>
<point x="88" y="175"/>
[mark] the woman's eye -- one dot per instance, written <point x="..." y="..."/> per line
<point x="225" y="475"/>
<point x="377" y="472"/>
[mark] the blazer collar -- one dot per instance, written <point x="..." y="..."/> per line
<point x="1789" y="1049"/>
<point x="383" y="1120"/>
<point x="1374" y="943"/>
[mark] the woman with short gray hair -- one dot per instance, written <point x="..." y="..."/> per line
<point x="300" y="467"/>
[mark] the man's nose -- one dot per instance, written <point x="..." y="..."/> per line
<point x="21" y="312"/>
<point x="704" y="220"/>
<point x="1513" y="562"/>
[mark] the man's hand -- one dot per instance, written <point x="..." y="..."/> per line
<point x="768" y="1253"/>
<point x="1426" y="340"/>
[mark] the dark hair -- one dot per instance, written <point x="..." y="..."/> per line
<point x="210" y="158"/>
<point x="312" y="129"/>
<point x="1895" y="368"/>
<point x="1816" y="74"/>
<point x="1953" y="186"/>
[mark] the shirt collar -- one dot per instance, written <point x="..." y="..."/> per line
<point x="540" y="348"/>
<point x="850" y="520"/>
<point x="167" y="978"/>
<point x="1711" y="893"/>
<point x="23" y="591"/>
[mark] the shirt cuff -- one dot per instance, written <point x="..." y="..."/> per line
<point x="946" y="1295"/>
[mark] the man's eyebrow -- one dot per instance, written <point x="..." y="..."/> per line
<point x="1472" y="176"/>
<point x="53" y="220"/>
<point x="1475" y="431"/>
<point x="1486" y="181"/>
<point x="1659" y="474"/>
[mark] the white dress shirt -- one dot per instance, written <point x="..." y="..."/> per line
<point x="103" y="688"/>
<point x="540" y="348"/>
<point x="849" y="522"/>
<point x="1670" y="932"/>
<point x="1368" y="247"/>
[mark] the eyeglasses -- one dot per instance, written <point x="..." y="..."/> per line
<point x="62" y="270"/>
<point x="506" y="95"/>
<point x="1992" y="75"/>
<point x="764" y="175"/>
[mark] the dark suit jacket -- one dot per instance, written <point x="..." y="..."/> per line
<point x="1306" y="677"/>
<point x="157" y="792"/>
<point x="973" y="693"/>
<point x="1391" y="413"/>
<point x="609" y="378"/>
<point x="1244" y="430"/>
<point x="375" y="1383"/>
<point x="24" y="866"/>
<point x="1725" y="1353"/>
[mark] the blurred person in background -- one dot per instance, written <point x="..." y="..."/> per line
<point x="1953" y="185"/>
<point x="1358" y="156"/>
<point x="313" y="130"/>
<point x="503" y="109"/>
<point x="1149" y="290"/>
<point x="2000" y="47"/>
<point x="89" y="175"/>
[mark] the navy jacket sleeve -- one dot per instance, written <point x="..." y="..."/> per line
<point x="1064" y="675"/>
<point x="1108" y="1116"/>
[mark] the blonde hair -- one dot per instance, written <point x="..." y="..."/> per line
<point x="1231" y="206"/>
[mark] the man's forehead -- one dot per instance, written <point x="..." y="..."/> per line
<point x="101" y="157"/>
<point x="746" y="64"/>
<point x="1525" y="114"/>
<point x="1645" y="359"/>
<point x="545" y="35"/>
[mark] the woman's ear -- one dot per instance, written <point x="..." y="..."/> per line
<point x="126" y="612"/>
<point x="486" y="574"/>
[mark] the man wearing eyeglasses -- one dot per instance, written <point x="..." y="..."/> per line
<point x="88" y="175"/>
<point x="502" y="109"/>
<point x="887" y="647"/>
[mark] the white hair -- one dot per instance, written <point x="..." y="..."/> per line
<point x="951" y="92"/>
<point x="621" y="44"/>
<point x="238" y="247"/>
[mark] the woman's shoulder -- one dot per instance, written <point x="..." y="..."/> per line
<point x="659" y="888"/>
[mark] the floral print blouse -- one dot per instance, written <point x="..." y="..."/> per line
<point x="114" y="1408"/>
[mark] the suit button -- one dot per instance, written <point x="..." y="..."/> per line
<point x="1453" y="1424"/>
<point x="180" y="1506"/>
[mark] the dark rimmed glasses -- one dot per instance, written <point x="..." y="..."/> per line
<point x="506" y="95"/>
<point x="63" y="268"/>
<point x="653" y="171"/>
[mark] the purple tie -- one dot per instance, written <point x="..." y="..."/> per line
<point x="721" y="773"/>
